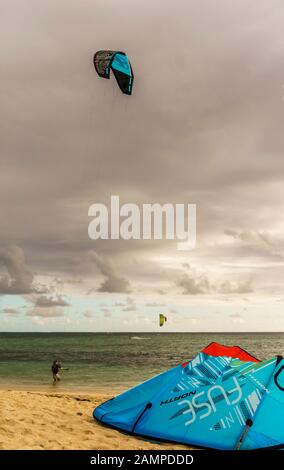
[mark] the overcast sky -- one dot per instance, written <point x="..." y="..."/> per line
<point x="204" y="125"/>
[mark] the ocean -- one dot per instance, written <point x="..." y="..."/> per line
<point x="114" y="361"/>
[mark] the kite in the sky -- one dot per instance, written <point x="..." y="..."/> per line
<point x="118" y="62"/>
<point x="162" y="319"/>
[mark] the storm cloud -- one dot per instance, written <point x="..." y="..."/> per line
<point x="204" y="126"/>
<point x="46" y="302"/>
<point x="112" y="283"/>
<point x="18" y="278"/>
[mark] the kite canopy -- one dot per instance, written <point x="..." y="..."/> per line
<point x="213" y="401"/>
<point x="118" y="62"/>
<point x="215" y="349"/>
<point x="162" y="319"/>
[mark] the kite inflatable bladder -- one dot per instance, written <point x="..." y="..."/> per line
<point x="223" y="399"/>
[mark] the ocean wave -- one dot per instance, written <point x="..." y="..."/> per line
<point x="139" y="337"/>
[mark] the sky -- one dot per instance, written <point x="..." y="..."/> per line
<point x="204" y="126"/>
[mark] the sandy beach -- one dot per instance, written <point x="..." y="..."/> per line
<point x="51" y="420"/>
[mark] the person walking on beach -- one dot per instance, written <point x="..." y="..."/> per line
<point x="55" y="368"/>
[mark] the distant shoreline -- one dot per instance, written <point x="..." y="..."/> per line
<point x="142" y="332"/>
<point x="63" y="389"/>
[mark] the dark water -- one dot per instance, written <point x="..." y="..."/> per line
<point x="113" y="361"/>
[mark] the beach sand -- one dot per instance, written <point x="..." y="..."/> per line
<point x="51" y="420"/>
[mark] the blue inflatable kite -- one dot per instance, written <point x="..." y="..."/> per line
<point x="222" y="399"/>
<point x="118" y="62"/>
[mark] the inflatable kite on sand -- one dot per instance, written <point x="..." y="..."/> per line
<point x="224" y="399"/>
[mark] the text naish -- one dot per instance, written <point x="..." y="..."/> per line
<point x="179" y="397"/>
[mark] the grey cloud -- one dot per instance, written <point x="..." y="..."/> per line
<point x="61" y="282"/>
<point x="10" y="311"/>
<point x="46" y="302"/>
<point x="193" y="285"/>
<point x="19" y="278"/>
<point x="88" y="314"/>
<point x="113" y="283"/>
<point x="254" y="236"/>
<point x="235" y="315"/>
<point x="204" y="125"/>
<point x="130" y="305"/>
<point x="239" y="287"/>
<point x="107" y="315"/>
<point x="154" y="304"/>
<point x="262" y="239"/>
<point x="237" y="318"/>
<point x="45" y="313"/>
<point x="186" y="265"/>
<point x="105" y="310"/>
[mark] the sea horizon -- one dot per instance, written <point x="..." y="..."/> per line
<point x="111" y="360"/>
<point x="143" y="332"/>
